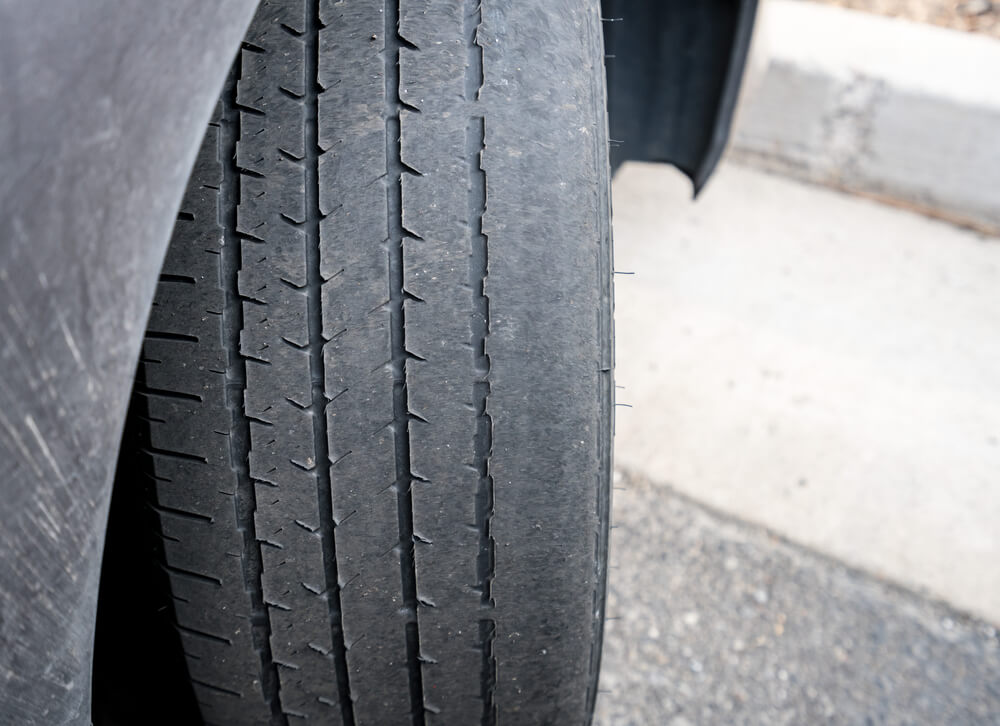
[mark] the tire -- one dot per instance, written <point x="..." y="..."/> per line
<point x="376" y="386"/>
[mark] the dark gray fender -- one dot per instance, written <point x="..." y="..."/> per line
<point x="674" y="73"/>
<point x="103" y="104"/>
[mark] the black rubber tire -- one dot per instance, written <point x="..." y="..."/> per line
<point x="377" y="380"/>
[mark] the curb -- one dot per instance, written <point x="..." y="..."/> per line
<point x="904" y="112"/>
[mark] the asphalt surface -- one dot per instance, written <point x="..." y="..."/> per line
<point x="716" y="622"/>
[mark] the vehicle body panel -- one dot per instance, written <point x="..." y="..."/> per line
<point x="674" y="71"/>
<point x="104" y="107"/>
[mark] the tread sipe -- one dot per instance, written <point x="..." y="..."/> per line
<point x="377" y="380"/>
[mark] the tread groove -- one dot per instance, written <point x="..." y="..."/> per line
<point x="171" y="454"/>
<point x="180" y="279"/>
<point x="395" y="170"/>
<point x="483" y="437"/>
<point x="245" y="499"/>
<point x="164" y="335"/>
<point x="182" y="513"/>
<point x="314" y="297"/>
<point x="195" y="577"/>
<point x="217" y="689"/>
<point x="144" y="390"/>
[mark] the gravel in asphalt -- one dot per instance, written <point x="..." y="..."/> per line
<point x="712" y="621"/>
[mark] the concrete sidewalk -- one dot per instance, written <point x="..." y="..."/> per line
<point x="817" y="364"/>
<point x="886" y="107"/>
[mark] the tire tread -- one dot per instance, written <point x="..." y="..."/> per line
<point x="329" y="370"/>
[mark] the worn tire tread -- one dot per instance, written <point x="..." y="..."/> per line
<point x="369" y="510"/>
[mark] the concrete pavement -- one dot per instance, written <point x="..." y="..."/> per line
<point x="817" y="364"/>
<point x="884" y="106"/>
